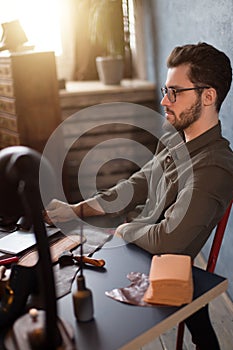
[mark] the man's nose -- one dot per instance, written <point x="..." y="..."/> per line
<point x="165" y="101"/>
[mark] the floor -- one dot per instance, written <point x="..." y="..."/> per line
<point x="221" y="313"/>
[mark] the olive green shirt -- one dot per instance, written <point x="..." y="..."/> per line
<point x="182" y="193"/>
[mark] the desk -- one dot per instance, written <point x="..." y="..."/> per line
<point x="122" y="326"/>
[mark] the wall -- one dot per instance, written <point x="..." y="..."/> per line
<point x="65" y="61"/>
<point x="186" y="21"/>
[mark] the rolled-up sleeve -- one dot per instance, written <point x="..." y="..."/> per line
<point x="127" y="194"/>
<point x="188" y="222"/>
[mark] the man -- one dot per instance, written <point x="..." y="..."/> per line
<point x="182" y="193"/>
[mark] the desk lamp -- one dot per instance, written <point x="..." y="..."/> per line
<point x="22" y="170"/>
<point x="13" y="36"/>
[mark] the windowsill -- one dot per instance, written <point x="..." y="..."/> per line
<point x="94" y="86"/>
<point x="86" y="93"/>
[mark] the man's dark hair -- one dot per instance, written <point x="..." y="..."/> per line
<point x="208" y="66"/>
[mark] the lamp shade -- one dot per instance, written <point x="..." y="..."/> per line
<point x="22" y="165"/>
<point x="13" y="36"/>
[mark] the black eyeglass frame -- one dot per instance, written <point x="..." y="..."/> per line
<point x="165" y="91"/>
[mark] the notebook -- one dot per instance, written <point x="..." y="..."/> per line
<point x="20" y="240"/>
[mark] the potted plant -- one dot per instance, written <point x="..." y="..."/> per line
<point x="107" y="34"/>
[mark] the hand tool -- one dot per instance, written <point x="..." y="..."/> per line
<point x="67" y="258"/>
<point x="5" y="260"/>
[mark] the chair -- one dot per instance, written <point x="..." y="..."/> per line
<point x="211" y="263"/>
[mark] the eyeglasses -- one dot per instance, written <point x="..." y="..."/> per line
<point x="171" y="92"/>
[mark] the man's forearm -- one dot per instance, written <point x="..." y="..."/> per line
<point x="87" y="208"/>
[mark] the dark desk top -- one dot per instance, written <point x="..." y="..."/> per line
<point x="122" y="326"/>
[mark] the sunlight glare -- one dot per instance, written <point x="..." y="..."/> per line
<point x="39" y="19"/>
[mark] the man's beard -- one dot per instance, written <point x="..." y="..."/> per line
<point x="186" y="118"/>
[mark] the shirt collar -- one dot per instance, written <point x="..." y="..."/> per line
<point x="180" y="149"/>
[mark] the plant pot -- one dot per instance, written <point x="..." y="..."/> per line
<point x="110" y="69"/>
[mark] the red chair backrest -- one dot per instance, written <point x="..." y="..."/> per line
<point x="218" y="237"/>
<point x="211" y="263"/>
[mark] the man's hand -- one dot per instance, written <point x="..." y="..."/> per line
<point x="119" y="229"/>
<point x="58" y="211"/>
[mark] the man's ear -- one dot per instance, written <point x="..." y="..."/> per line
<point x="209" y="96"/>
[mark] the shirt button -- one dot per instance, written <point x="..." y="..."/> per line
<point x="168" y="159"/>
<point x="173" y="178"/>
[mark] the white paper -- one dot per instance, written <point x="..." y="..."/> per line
<point x="18" y="241"/>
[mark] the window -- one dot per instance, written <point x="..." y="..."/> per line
<point x="98" y="23"/>
<point x="39" y="19"/>
<point x="52" y="25"/>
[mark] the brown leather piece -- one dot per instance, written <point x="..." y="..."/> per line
<point x="64" y="276"/>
